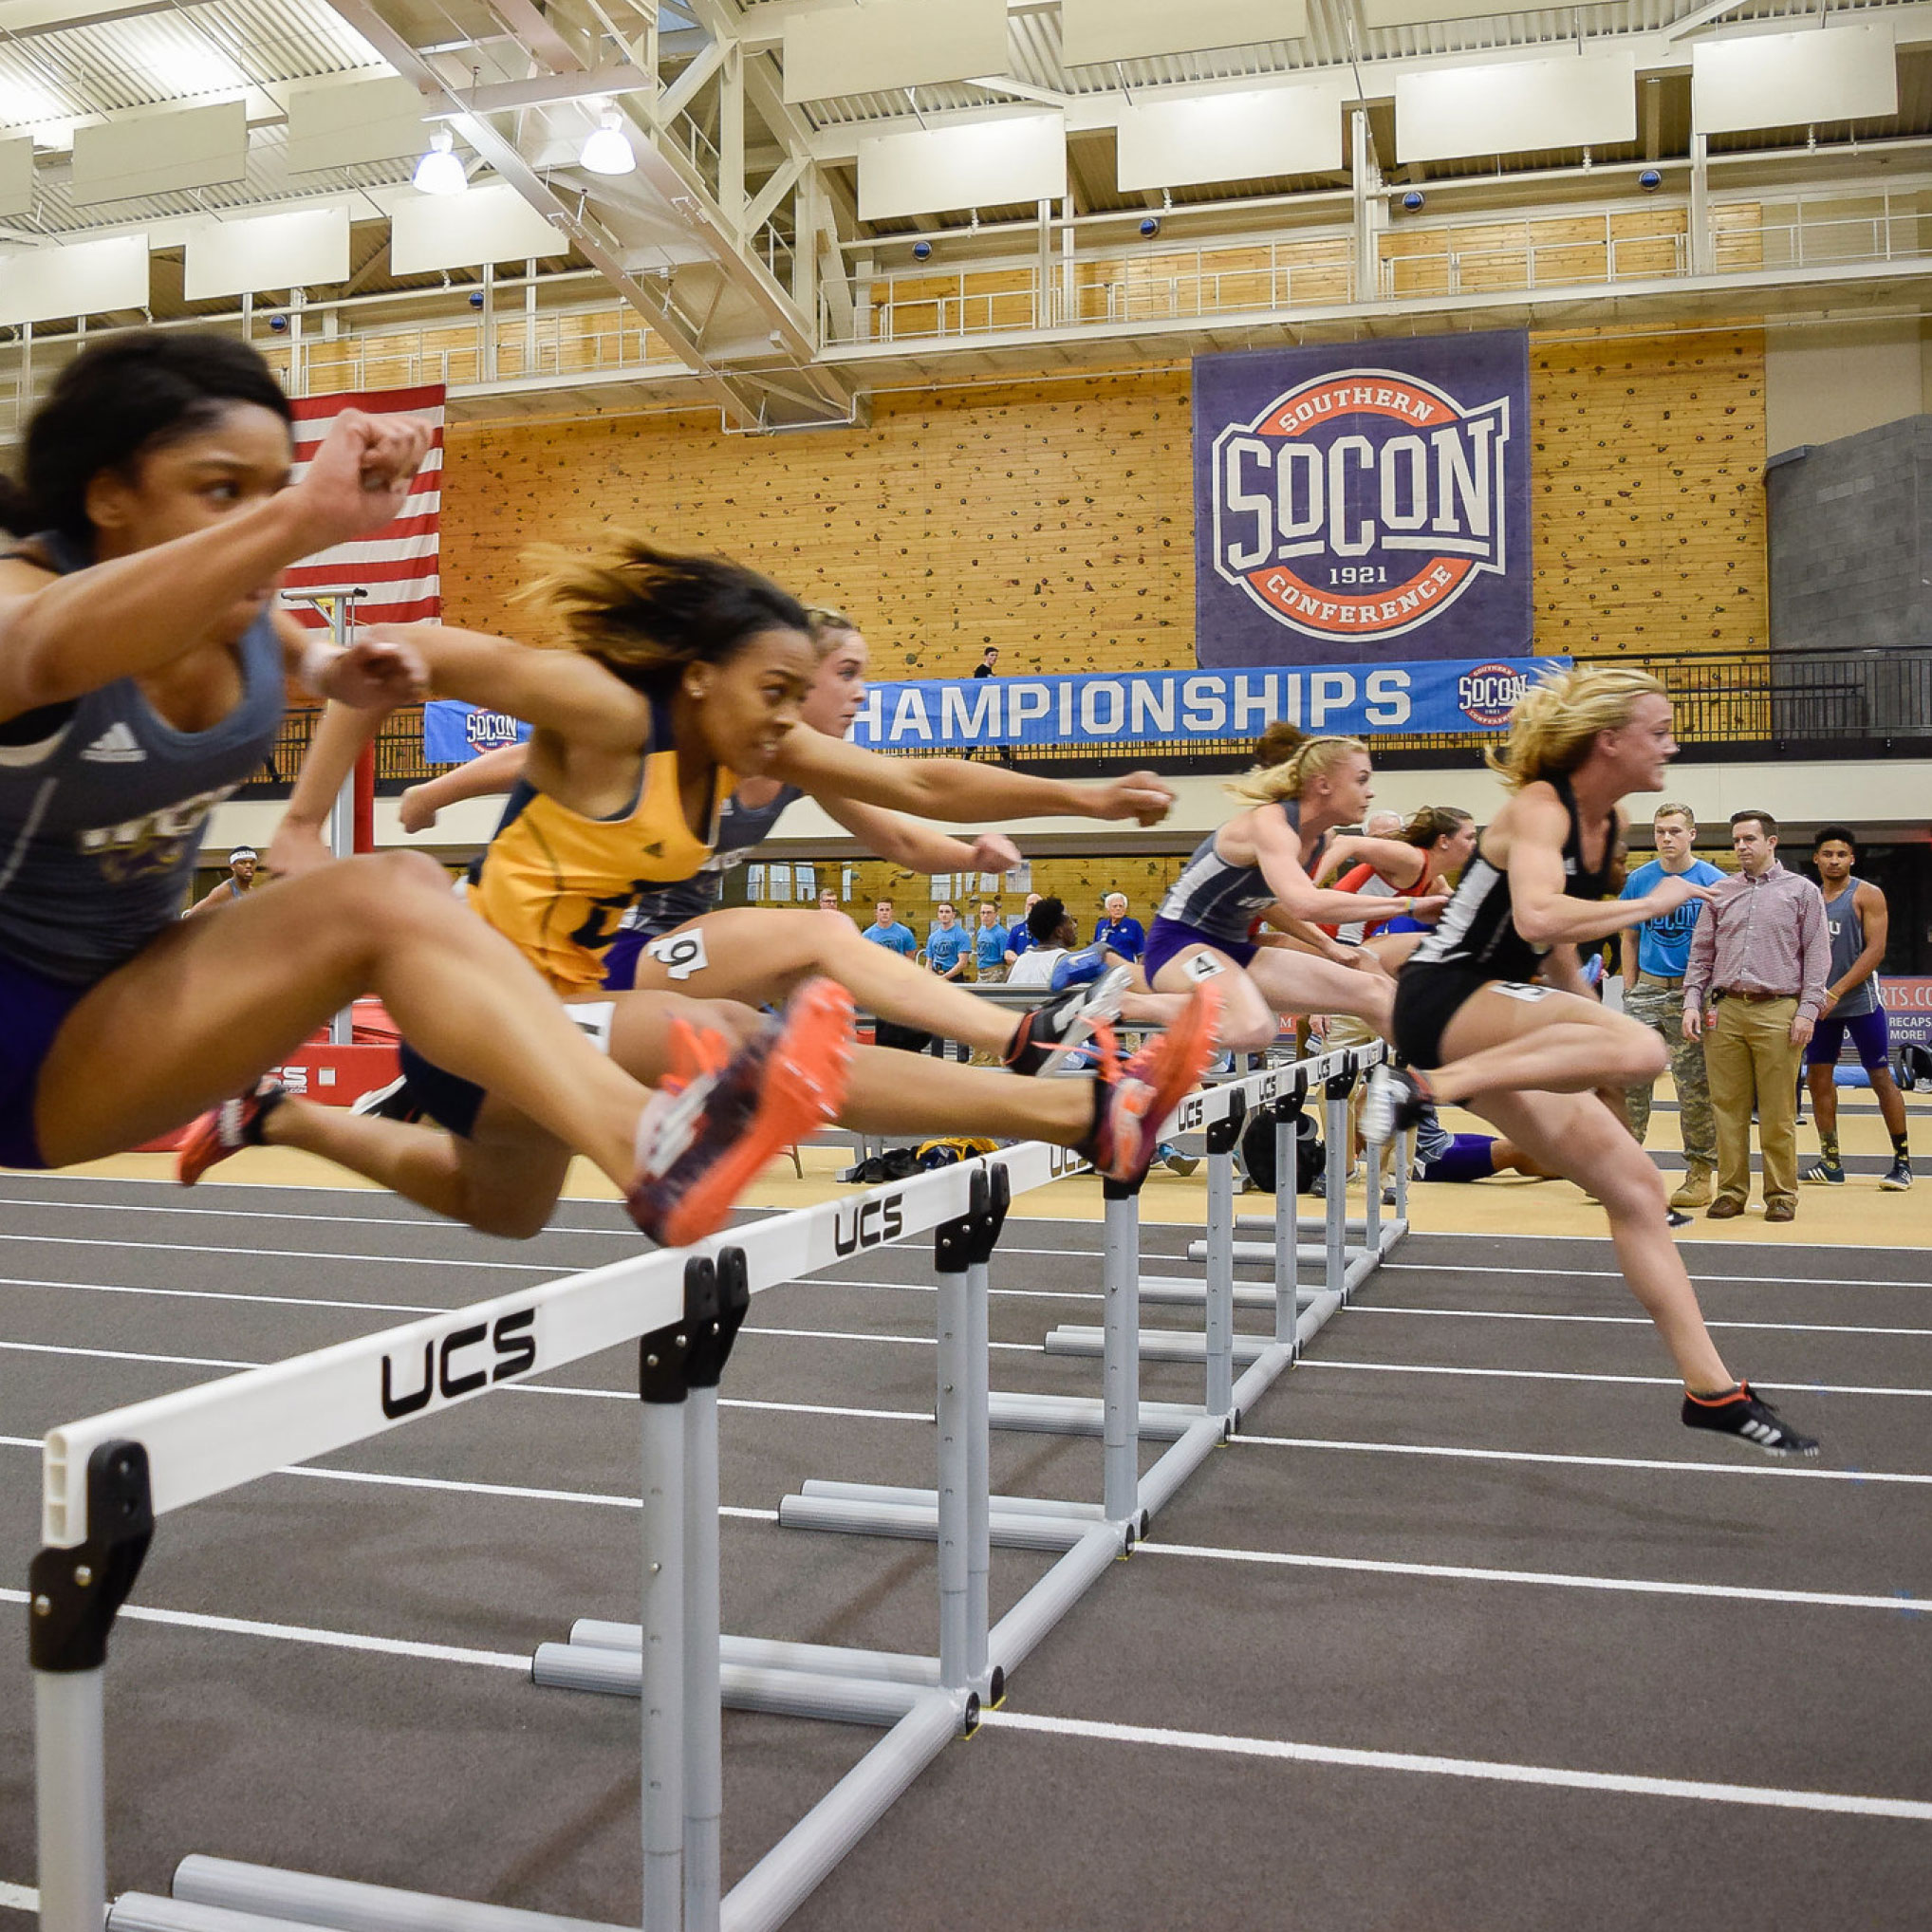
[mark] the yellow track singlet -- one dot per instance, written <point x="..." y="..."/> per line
<point x="555" y="883"/>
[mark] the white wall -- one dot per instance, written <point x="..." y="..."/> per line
<point x="1823" y="383"/>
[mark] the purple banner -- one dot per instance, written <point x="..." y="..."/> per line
<point x="1365" y="502"/>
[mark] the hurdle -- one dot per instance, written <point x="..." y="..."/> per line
<point x="108" y="1481"/>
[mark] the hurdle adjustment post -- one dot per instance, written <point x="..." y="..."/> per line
<point x="74" y="1595"/>
<point x="961" y="1251"/>
<point x="1372" y="1152"/>
<point x="664" y="1382"/>
<point x="1223" y="1137"/>
<point x="1121" y="1354"/>
<point x="1287" y="1117"/>
<point x="1335" y="1225"/>
<point x="710" y="1348"/>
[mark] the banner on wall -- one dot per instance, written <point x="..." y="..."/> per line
<point x="1362" y="498"/>
<point x="1180" y="707"/>
<point x="1907" y="1000"/>
<point x="452" y="733"/>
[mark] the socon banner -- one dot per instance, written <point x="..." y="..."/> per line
<point x="945" y="716"/>
<point x="1367" y="501"/>
<point x="452" y="733"/>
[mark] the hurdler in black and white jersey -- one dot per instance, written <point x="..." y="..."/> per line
<point x="1491" y="1012"/>
<point x="141" y="669"/>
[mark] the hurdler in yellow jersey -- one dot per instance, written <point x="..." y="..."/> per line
<point x="555" y="882"/>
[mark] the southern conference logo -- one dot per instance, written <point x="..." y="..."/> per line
<point x="1488" y="692"/>
<point x="1361" y="503"/>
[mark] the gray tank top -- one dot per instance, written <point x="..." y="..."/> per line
<point x="1220" y="899"/>
<point x="102" y="804"/>
<point x="1848" y="942"/>
<point x="740" y="828"/>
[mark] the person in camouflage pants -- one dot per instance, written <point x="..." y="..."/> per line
<point x="1653" y="957"/>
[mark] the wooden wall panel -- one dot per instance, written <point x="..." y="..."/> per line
<point x="1054" y="518"/>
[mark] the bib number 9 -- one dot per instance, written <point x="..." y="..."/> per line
<point x="679" y="954"/>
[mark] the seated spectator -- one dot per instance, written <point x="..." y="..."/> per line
<point x="886" y="931"/>
<point x="1124" y="938"/>
<point x="989" y="945"/>
<point x="1051" y="936"/>
<point x="1019" y="935"/>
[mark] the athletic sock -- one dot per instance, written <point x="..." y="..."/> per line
<point x="1714" y="1395"/>
<point x="1901" y="1145"/>
<point x="1828" y="1147"/>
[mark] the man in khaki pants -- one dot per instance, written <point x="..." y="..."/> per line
<point x="1758" y="963"/>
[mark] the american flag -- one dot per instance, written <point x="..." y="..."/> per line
<point x="399" y="566"/>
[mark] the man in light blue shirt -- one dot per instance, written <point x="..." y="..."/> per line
<point x="948" y="943"/>
<point x="1653" y="958"/>
<point x="886" y="931"/>
<point x="989" y="945"/>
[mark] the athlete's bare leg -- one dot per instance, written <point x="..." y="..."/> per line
<point x="1555" y="1042"/>
<point x="1574" y="1134"/>
<point x="1278" y="980"/>
<point x="203" y="1011"/>
<point x="911" y="1093"/>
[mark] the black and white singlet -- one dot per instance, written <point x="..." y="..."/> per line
<point x="1219" y="899"/>
<point x="1477" y="940"/>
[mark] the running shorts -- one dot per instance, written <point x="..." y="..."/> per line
<point x="1872" y="1040"/>
<point x="1468" y="1156"/>
<point x="1427" y="998"/>
<point x="1166" y="938"/>
<point x="33" y="1011"/>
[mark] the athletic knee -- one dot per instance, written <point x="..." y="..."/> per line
<point x="495" y="1210"/>
<point x="1628" y="1182"/>
<point x="1646" y="1057"/>
<point x="381" y="895"/>
<point x="736" y="1021"/>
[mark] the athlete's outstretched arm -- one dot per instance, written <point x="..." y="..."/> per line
<point x="907" y="842"/>
<point x="63" y="637"/>
<point x="1400" y="863"/>
<point x="1544" y="914"/>
<point x="954" y="791"/>
<point x="1277" y="850"/>
<point x="564" y="692"/>
<point x="487" y="775"/>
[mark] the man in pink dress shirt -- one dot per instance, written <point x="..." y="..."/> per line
<point x="1753" y="991"/>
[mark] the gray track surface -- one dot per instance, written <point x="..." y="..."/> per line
<point x="462" y="1777"/>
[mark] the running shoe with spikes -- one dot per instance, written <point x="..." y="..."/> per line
<point x="1897" y="1178"/>
<point x="718" y="1117"/>
<point x="227" y="1129"/>
<point x="1396" y="1100"/>
<point x="1740" y="1412"/>
<point x="1132" y="1103"/>
<point x="1825" y="1168"/>
<point x="1044" y="1036"/>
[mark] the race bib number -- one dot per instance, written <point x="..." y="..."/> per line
<point x="592" y="1019"/>
<point x="1520" y="988"/>
<point x="1205" y="966"/>
<point x="679" y="954"/>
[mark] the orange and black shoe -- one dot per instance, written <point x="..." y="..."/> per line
<point x="718" y="1117"/>
<point x="1739" y="1412"/>
<point x="1050" y="1037"/>
<point x="1131" y="1103"/>
<point x="227" y="1129"/>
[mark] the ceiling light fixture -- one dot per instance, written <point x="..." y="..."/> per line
<point x="439" y="172"/>
<point x="605" y="150"/>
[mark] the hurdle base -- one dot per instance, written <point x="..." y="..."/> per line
<point x="1085" y="1415"/>
<point x="778" y="1692"/>
<point x="1184" y="1291"/>
<point x="918" y="1523"/>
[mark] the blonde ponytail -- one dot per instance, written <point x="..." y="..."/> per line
<point x="1303" y="758"/>
<point x="1556" y="721"/>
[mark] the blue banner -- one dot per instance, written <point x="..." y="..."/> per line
<point x="454" y="733"/>
<point x="943" y="716"/>
<point x="1362" y="498"/>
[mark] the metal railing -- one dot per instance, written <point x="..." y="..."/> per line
<point x="1746" y="705"/>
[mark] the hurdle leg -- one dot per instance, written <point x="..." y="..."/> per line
<point x="1223" y="1135"/>
<point x="1335" y="1225"/>
<point x="1286" y="1208"/>
<point x="1121" y="1355"/>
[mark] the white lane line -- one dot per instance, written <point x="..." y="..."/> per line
<point x="281" y="1253"/>
<point x="895" y="1341"/>
<point x="1602" y="1241"/>
<point x="1632" y="1321"/>
<point x="1679" y="1467"/>
<point x="300" y="1633"/>
<point x="726" y="1402"/>
<point x="18" y="1898"/>
<point x="1457" y="1572"/>
<point x="1577" y="1375"/>
<point x="126" y="1355"/>
<point x="288" y="1301"/>
<point x="325" y="1221"/>
<point x="1557" y="1279"/>
<point x="932" y="1288"/>
<point x="1485" y="1769"/>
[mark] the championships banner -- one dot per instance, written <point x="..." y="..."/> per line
<point x="1175" y="707"/>
<point x="1362" y="498"/>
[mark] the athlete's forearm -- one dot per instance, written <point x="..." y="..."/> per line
<point x="487" y="775"/>
<point x="325" y="767"/>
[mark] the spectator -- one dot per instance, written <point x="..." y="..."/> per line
<point x="947" y="943"/>
<point x="1020" y="935"/>
<point x="242" y="867"/>
<point x="989" y="946"/>
<point x="828" y="902"/>
<point x="988" y="665"/>
<point x="1758" y="963"/>
<point x="1653" y="959"/>
<point x="1859" y="923"/>
<point x="886" y="931"/>
<point x="1124" y="938"/>
<point x="1051" y="936"/>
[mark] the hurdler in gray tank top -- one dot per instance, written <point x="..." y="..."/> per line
<point x="1848" y="941"/>
<point x="102" y="804"/>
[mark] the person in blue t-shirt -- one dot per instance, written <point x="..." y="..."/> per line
<point x="989" y="945"/>
<point x="947" y="943"/>
<point x="886" y="931"/>
<point x="1127" y="939"/>
<point x="1653" y="956"/>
